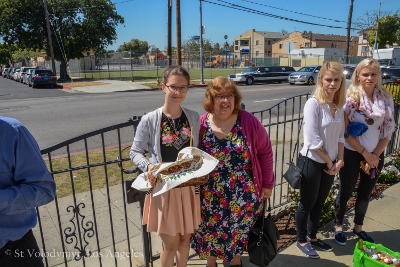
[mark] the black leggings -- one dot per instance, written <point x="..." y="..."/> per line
<point x="348" y="179"/>
<point x="315" y="187"/>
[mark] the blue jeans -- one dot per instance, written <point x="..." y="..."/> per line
<point x="348" y="179"/>
<point x="315" y="187"/>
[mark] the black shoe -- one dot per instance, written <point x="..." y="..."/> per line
<point x="340" y="238"/>
<point x="320" y="244"/>
<point x="364" y="236"/>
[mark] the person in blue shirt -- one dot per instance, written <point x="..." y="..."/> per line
<point x="25" y="183"/>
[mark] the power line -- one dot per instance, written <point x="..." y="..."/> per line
<point x="249" y="10"/>
<point x="335" y="20"/>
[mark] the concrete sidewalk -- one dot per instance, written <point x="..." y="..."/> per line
<point x="382" y="222"/>
<point x="110" y="86"/>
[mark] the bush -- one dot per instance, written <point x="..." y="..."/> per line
<point x="329" y="205"/>
<point x="389" y="175"/>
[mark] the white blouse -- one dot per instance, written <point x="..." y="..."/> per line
<point x="320" y="128"/>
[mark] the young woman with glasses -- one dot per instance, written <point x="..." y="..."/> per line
<point x="370" y="103"/>
<point x="232" y="199"/>
<point x="173" y="215"/>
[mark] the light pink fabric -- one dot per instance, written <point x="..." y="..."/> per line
<point x="176" y="211"/>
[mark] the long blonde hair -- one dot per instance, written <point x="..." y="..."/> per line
<point x="340" y="95"/>
<point x="355" y="89"/>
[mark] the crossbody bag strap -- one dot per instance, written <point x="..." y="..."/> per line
<point x="297" y="142"/>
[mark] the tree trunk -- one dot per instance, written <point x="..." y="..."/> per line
<point x="348" y="30"/>
<point x="178" y="33"/>
<point x="63" y="72"/>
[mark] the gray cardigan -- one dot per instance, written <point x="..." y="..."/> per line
<point x="148" y="136"/>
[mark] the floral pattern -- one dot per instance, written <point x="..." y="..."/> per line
<point x="380" y="107"/>
<point x="229" y="202"/>
<point x="168" y="135"/>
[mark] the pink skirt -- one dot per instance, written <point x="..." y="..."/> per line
<point x="176" y="211"/>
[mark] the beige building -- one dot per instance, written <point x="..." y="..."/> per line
<point x="256" y="44"/>
<point x="301" y="40"/>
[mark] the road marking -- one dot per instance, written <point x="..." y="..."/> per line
<point x="268" y="100"/>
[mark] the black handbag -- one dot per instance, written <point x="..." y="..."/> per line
<point x="293" y="174"/>
<point x="262" y="244"/>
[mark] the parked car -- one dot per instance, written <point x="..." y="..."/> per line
<point x="42" y="77"/>
<point x="25" y="78"/>
<point x="10" y="73"/>
<point x="16" y="75"/>
<point x="5" y="72"/>
<point x="348" y="70"/>
<point x="390" y="75"/>
<point x="24" y="71"/>
<point x="262" y="74"/>
<point x="305" y="75"/>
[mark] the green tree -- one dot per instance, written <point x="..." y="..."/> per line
<point x="78" y="27"/>
<point x="22" y="55"/>
<point x="137" y="47"/>
<point x="388" y="28"/>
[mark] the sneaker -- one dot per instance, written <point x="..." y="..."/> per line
<point x="364" y="236"/>
<point x="320" y="244"/>
<point x="308" y="251"/>
<point x="340" y="238"/>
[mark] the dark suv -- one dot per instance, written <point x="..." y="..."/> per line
<point x="390" y="75"/>
<point x="262" y="74"/>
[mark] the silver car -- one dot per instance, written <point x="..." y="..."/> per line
<point x="305" y="75"/>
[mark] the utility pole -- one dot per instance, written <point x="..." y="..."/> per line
<point x="169" y="50"/>
<point x="349" y="18"/>
<point x="201" y="46"/>
<point x="53" y="64"/>
<point x="178" y="32"/>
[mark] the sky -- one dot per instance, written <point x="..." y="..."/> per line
<point x="146" y="20"/>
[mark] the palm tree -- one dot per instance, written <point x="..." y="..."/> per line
<point x="226" y="43"/>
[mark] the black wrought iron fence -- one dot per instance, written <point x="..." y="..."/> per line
<point x="96" y="217"/>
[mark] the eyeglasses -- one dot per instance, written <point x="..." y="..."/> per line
<point x="222" y="97"/>
<point x="176" y="89"/>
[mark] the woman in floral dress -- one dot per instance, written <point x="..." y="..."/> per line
<point x="175" y="214"/>
<point x="232" y="199"/>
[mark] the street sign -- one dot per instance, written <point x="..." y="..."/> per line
<point x="226" y="51"/>
<point x="196" y="37"/>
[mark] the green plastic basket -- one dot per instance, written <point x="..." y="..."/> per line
<point x="361" y="259"/>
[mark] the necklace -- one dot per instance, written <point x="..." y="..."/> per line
<point x="174" y="125"/>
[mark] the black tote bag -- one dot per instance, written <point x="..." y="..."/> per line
<point x="263" y="239"/>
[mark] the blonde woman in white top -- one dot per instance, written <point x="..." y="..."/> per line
<point x="322" y="155"/>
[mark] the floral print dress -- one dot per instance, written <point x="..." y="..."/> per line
<point x="229" y="202"/>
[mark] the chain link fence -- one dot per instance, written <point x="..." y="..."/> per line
<point x="149" y="65"/>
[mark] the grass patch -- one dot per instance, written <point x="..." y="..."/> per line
<point x="81" y="84"/>
<point x="151" y="75"/>
<point x="78" y="180"/>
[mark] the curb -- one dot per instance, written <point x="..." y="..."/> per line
<point x="67" y="88"/>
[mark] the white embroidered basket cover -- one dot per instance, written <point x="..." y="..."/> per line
<point x="191" y="163"/>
